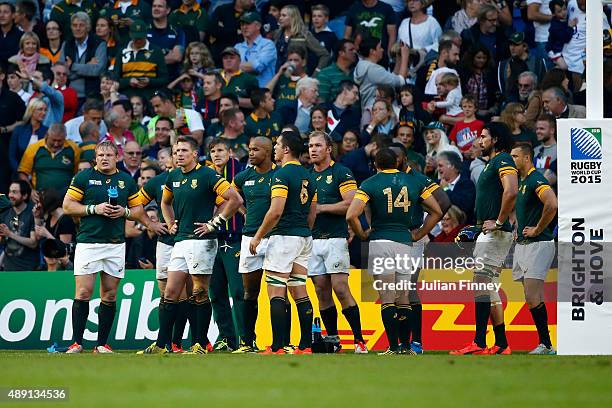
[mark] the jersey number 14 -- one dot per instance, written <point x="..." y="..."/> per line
<point x="401" y="201"/>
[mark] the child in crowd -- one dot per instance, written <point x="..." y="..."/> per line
<point x="468" y="129"/>
<point x="197" y="61"/>
<point x="559" y="32"/>
<point x="449" y="99"/>
<point x="186" y="96"/>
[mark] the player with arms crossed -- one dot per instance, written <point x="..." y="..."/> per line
<point x="102" y="197"/>
<point x="392" y="196"/>
<point x="329" y="262"/>
<point x="495" y="197"/>
<point x="536" y="208"/>
<point x="254" y="184"/>
<point x="192" y="191"/>
<point x="288" y="222"/>
<point x="410" y="335"/>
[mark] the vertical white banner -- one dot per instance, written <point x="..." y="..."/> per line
<point x="584" y="299"/>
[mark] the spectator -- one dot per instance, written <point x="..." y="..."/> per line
<point x="118" y="123"/>
<point x="486" y="33"/>
<point x="446" y="62"/>
<point x="514" y="117"/>
<point x="186" y="121"/>
<point x="60" y="82"/>
<point x="554" y="101"/>
<point x="319" y="16"/>
<point x="17" y="230"/>
<point x="29" y="132"/>
<point x="54" y="44"/>
<point x="452" y="223"/>
<point x="109" y="90"/>
<point x="198" y="60"/>
<point x="233" y="133"/>
<point x="227" y="101"/>
<point x="546" y="153"/>
<point x="411" y="112"/>
<point x="65" y="9"/>
<point x="93" y="110"/>
<point x="538" y="13"/>
<point x="192" y="19"/>
<point x="404" y="134"/>
<point x="350" y="142"/>
<point x="141" y="68"/>
<point x="421" y="31"/>
<point x="25" y="18"/>
<point x="208" y="104"/>
<point x="460" y="189"/>
<point x="29" y="54"/>
<point x="368" y="74"/>
<point x="468" y="129"/>
<point x="85" y="57"/>
<point x="147" y="172"/>
<point x="51" y="162"/>
<point x="226" y="25"/>
<point x="449" y="99"/>
<point x="51" y="222"/>
<point x="132" y="157"/>
<point x="436" y="142"/>
<point x="342" y="113"/>
<point x="284" y="84"/>
<point x="258" y="55"/>
<point x="235" y="81"/>
<point x="477" y="163"/>
<point x="377" y="19"/>
<point x="318" y="120"/>
<point x="307" y="94"/>
<point x="264" y="120"/>
<point x="560" y="32"/>
<point x="383" y="122"/>
<point x="52" y="97"/>
<point x="163" y="137"/>
<point x="16" y="84"/>
<point x="11" y="34"/>
<point x="361" y="160"/>
<point x="530" y="97"/>
<point x="139" y="110"/>
<point x="331" y="76"/>
<point x="293" y="33"/>
<point x="90" y="134"/>
<point x="140" y="132"/>
<point x="125" y="14"/>
<point x="105" y="31"/>
<point x="466" y="17"/>
<point x="170" y="39"/>
<point x="520" y="61"/>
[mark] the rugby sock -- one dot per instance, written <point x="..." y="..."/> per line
<point x="354" y="320"/>
<point x="403" y="324"/>
<point x="287" y="330"/>
<point x="80" y="311"/>
<point x="330" y="320"/>
<point x="540" y="318"/>
<point x="388" y="312"/>
<point x="278" y="314"/>
<point x="191" y="318"/>
<point x="180" y="322"/>
<point x="106" y="317"/>
<point x="483" y="309"/>
<point x="416" y="321"/>
<point x="203" y="313"/>
<point x="500" y="335"/>
<point x="304" y="309"/>
<point x="250" y="318"/>
<point x="167" y="314"/>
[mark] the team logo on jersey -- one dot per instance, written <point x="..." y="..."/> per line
<point x="329" y="179"/>
<point x="65" y="160"/>
<point x="121" y="184"/>
<point x="194" y="183"/>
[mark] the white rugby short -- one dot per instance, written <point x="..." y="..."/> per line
<point x="93" y="258"/>
<point x="285" y="250"/>
<point x="328" y="256"/>
<point x="383" y="256"/>
<point x="492" y="248"/>
<point x="249" y="262"/>
<point x="163" y="253"/>
<point x="532" y="260"/>
<point x="196" y="256"/>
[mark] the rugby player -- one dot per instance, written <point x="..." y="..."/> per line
<point x="152" y="191"/>
<point x="101" y="238"/>
<point x="414" y="321"/>
<point x="536" y="208"/>
<point x="192" y="191"/>
<point x="496" y="193"/>
<point x="288" y="221"/>
<point x="329" y="262"/>
<point x="393" y="197"/>
<point x="254" y="185"/>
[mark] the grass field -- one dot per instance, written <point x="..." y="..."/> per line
<point x="345" y="380"/>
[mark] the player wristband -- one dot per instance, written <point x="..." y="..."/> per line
<point x="499" y="224"/>
<point x="90" y="210"/>
<point x="127" y="213"/>
<point x="216" y="221"/>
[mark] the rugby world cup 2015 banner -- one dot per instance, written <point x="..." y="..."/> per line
<point x="35" y="310"/>
<point x="584" y="179"/>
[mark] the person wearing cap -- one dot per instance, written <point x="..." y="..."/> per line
<point x="226" y="25"/>
<point x="258" y="55"/>
<point x="521" y="60"/>
<point x="192" y="19"/>
<point x="170" y="39"/>
<point x="141" y="66"/>
<point x="436" y="142"/>
<point x="124" y="13"/>
<point x="234" y="80"/>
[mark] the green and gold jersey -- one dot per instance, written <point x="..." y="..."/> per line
<point x="240" y="84"/>
<point x="138" y="10"/>
<point x="153" y="190"/>
<point x="529" y="207"/>
<point x="330" y="184"/>
<point x="194" y="16"/>
<point x="489" y="189"/>
<point x="48" y="169"/>
<point x="239" y="145"/>
<point x="284" y="92"/>
<point x="430" y="186"/>
<point x="88" y="151"/>
<point x="391" y="195"/>
<point x="194" y="195"/>
<point x="293" y="182"/>
<point x="269" y="126"/>
<point x="255" y="188"/>
<point x="91" y="187"/>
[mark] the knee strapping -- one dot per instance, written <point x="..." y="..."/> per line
<point x="276" y="281"/>
<point x="297" y="280"/>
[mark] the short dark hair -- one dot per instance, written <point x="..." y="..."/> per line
<point x="165" y="119"/>
<point x="11" y="5"/>
<point x="452" y="158"/>
<point x="293" y="141"/>
<point x="24" y="187"/>
<point x="340" y="45"/>
<point x="525" y="148"/>
<point x="163" y="95"/>
<point x="345" y="85"/>
<point x="216" y="74"/>
<point x="27" y="7"/>
<point x="386" y="90"/>
<point x="219" y="141"/>
<point x="93" y="104"/>
<point x="127" y="105"/>
<point x="50" y="199"/>
<point x="553" y="4"/>
<point x="367" y="44"/>
<point x="547" y="117"/>
<point x="297" y="49"/>
<point x="258" y="95"/>
<point x="445" y="45"/>
<point x="385" y="159"/>
<point x="153" y="167"/>
<point x="189" y="140"/>
<point x="232" y="97"/>
<point x="501" y="133"/>
<point x="229" y="114"/>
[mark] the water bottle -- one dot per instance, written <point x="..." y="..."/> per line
<point x="113" y="195"/>
<point x="316" y="330"/>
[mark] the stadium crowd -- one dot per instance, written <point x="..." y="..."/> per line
<point x="426" y="75"/>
